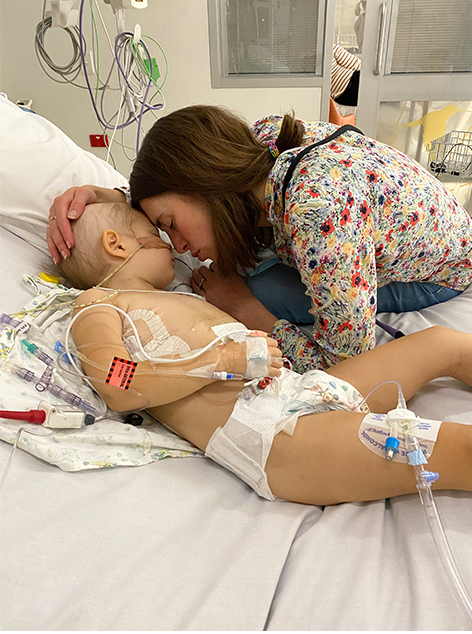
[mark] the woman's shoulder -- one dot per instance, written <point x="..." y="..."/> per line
<point x="267" y="128"/>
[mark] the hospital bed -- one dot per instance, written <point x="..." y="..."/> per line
<point x="181" y="543"/>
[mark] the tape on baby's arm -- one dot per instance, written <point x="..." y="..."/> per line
<point x="257" y="352"/>
<point x="374" y="431"/>
<point x="257" y="356"/>
<point x="120" y="373"/>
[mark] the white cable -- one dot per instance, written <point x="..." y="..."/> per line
<point x="104" y="27"/>
<point x="112" y="138"/>
<point x="136" y="334"/>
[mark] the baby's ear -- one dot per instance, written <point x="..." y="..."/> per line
<point x="113" y="244"/>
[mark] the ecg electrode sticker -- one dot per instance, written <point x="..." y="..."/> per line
<point x="120" y="373"/>
<point x="374" y="431"/>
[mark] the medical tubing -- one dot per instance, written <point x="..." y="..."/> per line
<point x="59" y="392"/>
<point x="10" y="458"/>
<point x="14" y="323"/>
<point x="401" y="399"/>
<point x="37" y="352"/>
<point x="432" y="514"/>
<point x="443" y="548"/>
<point x="424" y="480"/>
<point x="15" y="445"/>
<point x="36" y="416"/>
<point x="197" y="353"/>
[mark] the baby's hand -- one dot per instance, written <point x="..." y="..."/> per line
<point x="256" y="357"/>
<point x="255" y="363"/>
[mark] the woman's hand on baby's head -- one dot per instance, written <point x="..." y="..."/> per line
<point x="66" y="207"/>
<point x="69" y="206"/>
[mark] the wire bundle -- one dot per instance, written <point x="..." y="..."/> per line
<point x="130" y="76"/>
<point x="68" y="72"/>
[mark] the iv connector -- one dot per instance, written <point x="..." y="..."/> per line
<point x="391" y="447"/>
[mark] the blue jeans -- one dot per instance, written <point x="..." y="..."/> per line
<point x="281" y="290"/>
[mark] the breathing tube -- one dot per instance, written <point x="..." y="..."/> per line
<point x="403" y="422"/>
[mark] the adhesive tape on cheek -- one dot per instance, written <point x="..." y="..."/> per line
<point x="374" y="431"/>
<point x="257" y="357"/>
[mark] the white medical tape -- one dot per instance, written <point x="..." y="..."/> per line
<point x="159" y="340"/>
<point x="257" y="357"/>
<point x="224" y="329"/>
<point x="374" y="431"/>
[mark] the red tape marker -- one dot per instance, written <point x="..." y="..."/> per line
<point x="120" y="373"/>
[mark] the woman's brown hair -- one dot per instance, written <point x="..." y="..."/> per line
<point x="211" y="153"/>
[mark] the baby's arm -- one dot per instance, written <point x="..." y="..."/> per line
<point x="97" y="335"/>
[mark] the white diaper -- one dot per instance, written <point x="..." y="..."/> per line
<point x="243" y="444"/>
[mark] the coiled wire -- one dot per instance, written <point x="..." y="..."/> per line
<point x="69" y="71"/>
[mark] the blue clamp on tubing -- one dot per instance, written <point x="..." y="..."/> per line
<point x="416" y="458"/>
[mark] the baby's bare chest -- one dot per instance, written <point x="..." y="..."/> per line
<point x="185" y="316"/>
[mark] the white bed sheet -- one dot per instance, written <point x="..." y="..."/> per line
<point x="184" y="545"/>
<point x="177" y="548"/>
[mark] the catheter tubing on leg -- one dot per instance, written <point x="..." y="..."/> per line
<point x="424" y="481"/>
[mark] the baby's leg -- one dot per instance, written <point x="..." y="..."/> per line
<point x="324" y="462"/>
<point x="413" y="361"/>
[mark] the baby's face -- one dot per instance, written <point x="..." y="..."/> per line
<point x="156" y="255"/>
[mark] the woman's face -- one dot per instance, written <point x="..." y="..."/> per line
<point x="185" y="220"/>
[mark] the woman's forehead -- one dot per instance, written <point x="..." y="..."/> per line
<point x="142" y="221"/>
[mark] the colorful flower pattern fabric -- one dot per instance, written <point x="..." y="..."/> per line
<point x="358" y="215"/>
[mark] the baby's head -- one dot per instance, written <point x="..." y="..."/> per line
<point x="92" y="259"/>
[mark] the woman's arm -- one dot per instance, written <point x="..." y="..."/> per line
<point x="69" y="206"/>
<point x="98" y="337"/>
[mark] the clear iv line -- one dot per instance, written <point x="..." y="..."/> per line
<point x="434" y="522"/>
<point x="196" y="354"/>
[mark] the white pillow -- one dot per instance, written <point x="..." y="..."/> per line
<point x="37" y="163"/>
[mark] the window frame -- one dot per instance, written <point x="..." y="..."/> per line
<point x="220" y="78"/>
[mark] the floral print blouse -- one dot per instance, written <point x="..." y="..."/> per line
<point x="358" y="215"/>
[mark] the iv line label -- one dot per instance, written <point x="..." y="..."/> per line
<point x="120" y="373"/>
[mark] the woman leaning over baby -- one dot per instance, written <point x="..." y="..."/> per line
<point x="363" y="227"/>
